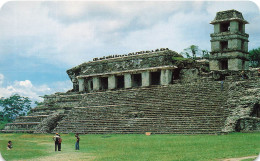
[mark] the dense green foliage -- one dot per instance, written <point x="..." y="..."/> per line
<point x="194" y="51"/>
<point x="254" y="57"/>
<point x="133" y="147"/>
<point x="14" y="106"/>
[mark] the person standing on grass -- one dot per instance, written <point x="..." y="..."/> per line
<point x="56" y="140"/>
<point x="77" y="141"/>
<point x="59" y="145"/>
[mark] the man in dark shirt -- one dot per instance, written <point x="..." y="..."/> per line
<point x="77" y="141"/>
<point x="56" y="140"/>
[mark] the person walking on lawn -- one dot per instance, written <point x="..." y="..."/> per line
<point x="56" y="140"/>
<point x="77" y="141"/>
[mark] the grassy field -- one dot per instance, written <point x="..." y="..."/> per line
<point x="131" y="147"/>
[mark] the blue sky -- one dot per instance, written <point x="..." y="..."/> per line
<point x="39" y="41"/>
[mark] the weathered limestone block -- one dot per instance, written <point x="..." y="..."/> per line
<point x="234" y="44"/>
<point x="234" y="64"/>
<point x="215" y="46"/>
<point x="81" y="84"/>
<point x="189" y="75"/>
<point x="213" y="65"/>
<point x="112" y="82"/>
<point x="166" y="77"/>
<point x="146" y="78"/>
<point x="216" y="28"/>
<point x="128" y="80"/>
<point x="234" y="26"/>
<point x="96" y="83"/>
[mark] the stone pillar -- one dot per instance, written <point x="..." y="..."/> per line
<point x="166" y="77"/>
<point x="81" y="84"/>
<point x="234" y="26"/>
<point x="215" y="46"/>
<point x="234" y="64"/>
<point x="146" y="78"/>
<point x="216" y="28"/>
<point x="112" y="82"/>
<point x="96" y="83"/>
<point x="128" y="80"/>
<point x="213" y="65"/>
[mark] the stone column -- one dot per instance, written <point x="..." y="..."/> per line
<point x="234" y="25"/>
<point x="81" y="84"/>
<point x="146" y="78"/>
<point x="112" y="82"/>
<point x="214" y="65"/>
<point x="166" y="77"/>
<point x="96" y="83"/>
<point x="128" y="80"/>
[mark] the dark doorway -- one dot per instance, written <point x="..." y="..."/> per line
<point x="224" y="27"/>
<point x="223" y="64"/>
<point x="120" y="82"/>
<point x="176" y="74"/>
<point x="104" y="83"/>
<point x="256" y="111"/>
<point x="137" y="80"/>
<point x="240" y="27"/>
<point x="224" y="45"/>
<point x="155" y="78"/>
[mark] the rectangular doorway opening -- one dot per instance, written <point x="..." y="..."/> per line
<point x="137" y="80"/>
<point x="224" y="45"/>
<point x="223" y="64"/>
<point x="104" y="83"/>
<point x="155" y="78"/>
<point x="224" y="27"/>
<point x="120" y="81"/>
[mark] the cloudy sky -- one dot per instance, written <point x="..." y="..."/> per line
<point x="39" y="41"/>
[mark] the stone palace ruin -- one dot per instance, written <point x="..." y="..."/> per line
<point x="158" y="91"/>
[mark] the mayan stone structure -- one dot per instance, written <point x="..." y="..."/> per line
<point x="158" y="91"/>
<point x="229" y="42"/>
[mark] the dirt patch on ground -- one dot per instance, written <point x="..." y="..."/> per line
<point x="239" y="159"/>
<point x="73" y="156"/>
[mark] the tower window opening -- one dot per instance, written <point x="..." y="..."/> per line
<point x="240" y="27"/>
<point x="155" y="78"/>
<point x="104" y="83"/>
<point x="225" y="27"/>
<point x="120" y="82"/>
<point x="243" y="65"/>
<point x="224" y="45"/>
<point x="137" y="80"/>
<point x="223" y="64"/>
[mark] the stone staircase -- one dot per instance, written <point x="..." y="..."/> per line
<point x="31" y="122"/>
<point x="190" y="108"/>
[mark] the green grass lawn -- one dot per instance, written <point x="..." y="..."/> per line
<point x="135" y="147"/>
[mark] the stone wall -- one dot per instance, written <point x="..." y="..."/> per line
<point x="160" y="58"/>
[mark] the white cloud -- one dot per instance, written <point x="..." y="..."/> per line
<point x="27" y="89"/>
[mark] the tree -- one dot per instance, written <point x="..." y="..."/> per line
<point x="14" y="106"/>
<point x="193" y="51"/>
<point x="254" y="57"/>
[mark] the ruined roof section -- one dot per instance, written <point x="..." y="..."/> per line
<point x="229" y="15"/>
<point x="157" y="58"/>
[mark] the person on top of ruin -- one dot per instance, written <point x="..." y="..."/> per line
<point x="56" y="140"/>
<point x="77" y="141"/>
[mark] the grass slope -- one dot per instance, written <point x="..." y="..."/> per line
<point x="132" y="147"/>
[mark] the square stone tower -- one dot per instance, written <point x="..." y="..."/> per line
<point x="229" y="42"/>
